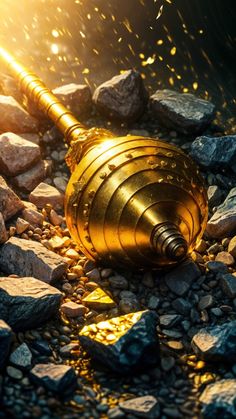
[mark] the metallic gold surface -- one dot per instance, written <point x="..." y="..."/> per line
<point x="131" y="201"/>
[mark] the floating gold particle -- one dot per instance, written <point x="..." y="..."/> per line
<point x="160" y="12"/>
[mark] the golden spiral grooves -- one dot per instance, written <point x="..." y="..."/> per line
<point x="124" y="190"/>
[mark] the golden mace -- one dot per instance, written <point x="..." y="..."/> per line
<point x="131" y="201"/>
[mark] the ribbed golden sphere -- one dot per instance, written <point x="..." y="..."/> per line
<point x="137" y="202"/>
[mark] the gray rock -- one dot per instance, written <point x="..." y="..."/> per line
<point x="182" y="112"/>
<point x="169" y="320"/>
<point x="14" y="118"/>
<point x="118" y="282"/>
<point x="205" y="302"/>
<point x="167" y="363"/>
<point x="30" y="258"/>
<point x="216" y="342"/>
<point x="179" y="279"/>
<point x="46" y="194"/>
<point x="76" y="97"/>
<point x="219" y="400"/>
<point x="223" y="222"/>
<point x="115" y="413"/>
<point x="228" y="285"/>
<point x="14" y="373"/>
<point x="144" y="407"/>
<point x="214" y="152"/>
<point x="123" y="97"/>
<point x="123" y="343"/>
<point x="10" y="203"/>
<point x="60" y="379"/>
<point x="5" y="342"/>
<point x="153" y="302"/>
<point x="182" y="306"/>
<point x="21" y="357"/>
<point x="27" y="302"/>
<point x="30" y="179"/>
<point x="215" y="196"/>
<point x="217" y="267"/>
<point x="41" y="346"/>
<point x="67" y="351"/>
<point x="17" y="154"/>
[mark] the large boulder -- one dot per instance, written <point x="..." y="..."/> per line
<point x="14" y="118"/>
<point x="214" y="152"/>
<point x="183" y="112"/>
<point x="123" y="97"/>
<point x="31" y="258"/>
<point x="27" y="302"/>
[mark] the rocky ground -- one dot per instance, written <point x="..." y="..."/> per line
<point x="81" y="340"/>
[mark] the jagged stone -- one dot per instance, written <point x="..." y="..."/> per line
<point x="56" y="378"/>
<point x="21" y="357"/>
<point x="144" y="407"/>
<point x="180" y="279"/>
<point x="216" y="343"/>
<point x="14" y="118"/>
<point x="30" y="258"/>
<point x="27" y="302"/>
<point x="98" y="300"/>
<point x="46" y="194"/>
<point x="219" y="400"/>
<point x="30" y="179"/>
<point x="33" y="217"/>
<point x="214" y="152"/>
<point x="5" y="342"/>
<point x="123" y="97"/>
<point x="10" y="203"/>
<point x="123" y="343"/>
<point x="183" y="112"/>
<point x="21" y="225"/>
<point x="76" y="97"/>
<point x="223" y="222"/>
<point x="72" y="309"/>
<point x="17" y="154"/>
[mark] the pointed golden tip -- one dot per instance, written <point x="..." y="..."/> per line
<point x="169" y="242"/>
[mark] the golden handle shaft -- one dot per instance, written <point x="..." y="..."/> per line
<point x="36" y="90"/>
